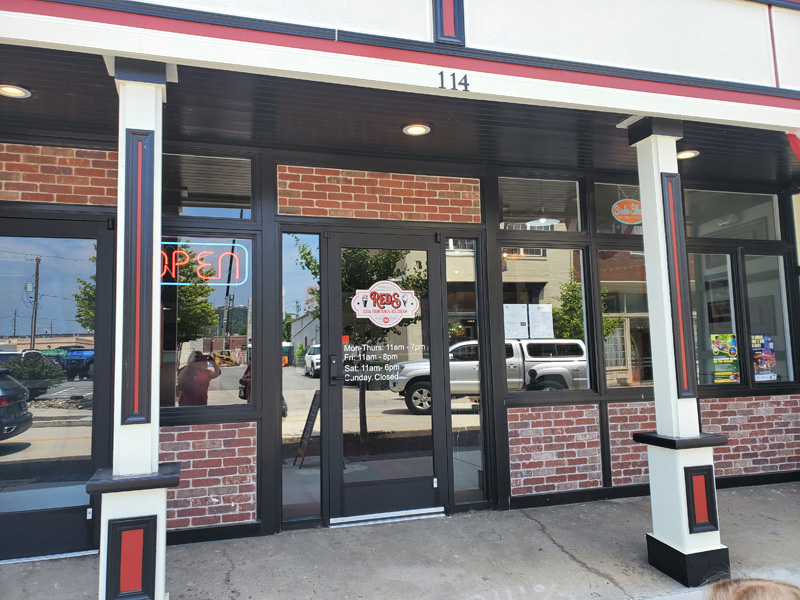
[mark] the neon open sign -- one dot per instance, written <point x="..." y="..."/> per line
<point x="211" y="262"/>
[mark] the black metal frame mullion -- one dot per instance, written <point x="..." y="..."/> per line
<point x="501" y="480"/>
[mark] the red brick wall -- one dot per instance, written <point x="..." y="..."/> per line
<point x="554" y="448"/>
<point x="629" y="459"/>
<point x="218" y="474"/>
<point x="51" y="174"/>
<point x="320" y="192"/>
<point x="763" y="433"/>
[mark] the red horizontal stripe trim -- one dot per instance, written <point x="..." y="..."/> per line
<point x="110" y="17"/>
<point x="131" y="557"/>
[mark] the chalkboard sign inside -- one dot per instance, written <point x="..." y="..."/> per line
<point x="308" y="429"/>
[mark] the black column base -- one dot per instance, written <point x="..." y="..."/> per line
<point x="691" y="570"/>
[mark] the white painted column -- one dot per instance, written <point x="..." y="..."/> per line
<point x="685" y="542"/>
<point x="134" y="496"/>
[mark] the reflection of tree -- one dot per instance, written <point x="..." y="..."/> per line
<point x="361" y="268"/>
<point x="85" y="298"/>
<point x="568" y="317"/>
<point x="36" y="372"/>
<point x="196" y="315"/>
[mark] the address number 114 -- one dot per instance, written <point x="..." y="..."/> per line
<point x="462" y="85"/>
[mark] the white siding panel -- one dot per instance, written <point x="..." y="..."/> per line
<point x="787" y="46"/>
<point x="715" y="39"/>
<point x="410" y="19"/>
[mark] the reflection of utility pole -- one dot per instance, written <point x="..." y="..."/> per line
<point x="15" y="324"/>
<point x="35" y="302"/>
<point x="228" y="299"/>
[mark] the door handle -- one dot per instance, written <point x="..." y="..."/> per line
<point x="334" y="368"/>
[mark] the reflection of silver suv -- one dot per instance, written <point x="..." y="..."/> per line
<point x="530" y="364"/>
<point x="313" y="357"/>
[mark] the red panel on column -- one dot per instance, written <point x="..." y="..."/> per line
<point x="130" y="560"/>
<point x="700" y="499"/>
<point x="449" y="17"/>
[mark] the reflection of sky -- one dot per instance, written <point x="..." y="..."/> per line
<point x="63" y="261"/>
<point x="296" y="280"/>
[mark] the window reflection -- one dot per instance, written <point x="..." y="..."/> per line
<point x="769" y="320"/>
<point x="731" y="215"/>
<point x="539" y="205"/>
<point x="47" y="347"/>
<point x="464" y="370"/>
<point x="626" y="327"/>
<point x="301" y="359"/>
<point x="714" y="319"/>
<point x="206" y="186"/>
<point x="206" y="298"/>
<point x="544" y="320"/>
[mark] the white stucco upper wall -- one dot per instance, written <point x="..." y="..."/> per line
<point x="787" y="46"/>
<point x="714" y="39"/>
<point x="408" y="19"/>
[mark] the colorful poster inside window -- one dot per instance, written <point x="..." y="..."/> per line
<point x="764" y="358"/>
<point x="726" y="357"/>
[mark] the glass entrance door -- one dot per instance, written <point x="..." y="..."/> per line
<point x="54" y="379"/>
<point x="385" y="355"/>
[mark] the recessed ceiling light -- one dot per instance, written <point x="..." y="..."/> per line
<point x="13" y="91"/>
<point x="416" y="129"/>
<point x="684" y="154"/>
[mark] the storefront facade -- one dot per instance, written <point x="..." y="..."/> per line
<point x="304" y="283"/>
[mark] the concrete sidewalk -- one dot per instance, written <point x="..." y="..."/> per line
<point x="591" y="550"/>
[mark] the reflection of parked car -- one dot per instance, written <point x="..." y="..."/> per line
<point x="313" y="356"/>
<point x="543" y="364"/>
<point x="14" y="415"/>
<point x="244" y="391"/>
<point x="80" y="364"/>
<point x="7" y="356"/>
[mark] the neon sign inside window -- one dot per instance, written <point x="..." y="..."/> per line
<point x="212" y="262"/>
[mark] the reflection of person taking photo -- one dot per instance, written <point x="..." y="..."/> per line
<point x="195" y="378"/>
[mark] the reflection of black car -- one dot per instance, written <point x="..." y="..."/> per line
<point x="14" y="415"/>
<point x="80" y="364"/>
<point x="244" y="391"/>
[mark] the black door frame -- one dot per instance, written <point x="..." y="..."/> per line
<point x="75" y="531"/>
<point x="331" y="326"/>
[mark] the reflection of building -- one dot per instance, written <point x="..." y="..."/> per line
<point x="305" y="330"/>
<point x="49" y="341"/>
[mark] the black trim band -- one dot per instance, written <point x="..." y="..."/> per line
<point x="644" y="128"/>
<point x="781" y="3"/>
<point x="146" y="71"/>
<point x="213" y="533"/>
<point x="137" y="298"/>
<point x="711" y="523"/>
<point x="105" y="482"/>
<point x="114" y="562"/>
<point x="201" y="16"/>
<point x="704" y="440"/>
<point x="691" y="570"/>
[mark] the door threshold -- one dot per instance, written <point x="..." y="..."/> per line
<point x="388" y="517"/>
<point x="11" y="561"/>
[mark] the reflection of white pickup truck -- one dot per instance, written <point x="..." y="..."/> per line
<point x="530" y="365"/>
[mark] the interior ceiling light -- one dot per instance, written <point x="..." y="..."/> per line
<point x="416" y="129"/>
<point x="684" y="154"/>
<point x="10" y="90"/>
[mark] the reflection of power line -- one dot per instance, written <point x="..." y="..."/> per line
<point x="32" y="256"/>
